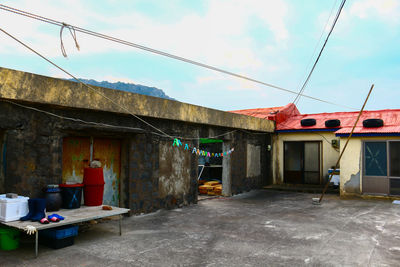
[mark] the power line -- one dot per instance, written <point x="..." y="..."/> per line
<point x="159" y="52"/>
<point x="320" y="52"/>
<point x="317" y="44"/>
<point x="73" y="119"/>
<point x="101" y="94"/>
<point x="88" y="86"/>
<point x="109" y="125"/>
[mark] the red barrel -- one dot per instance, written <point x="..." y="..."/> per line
<point x="93" y="179"/>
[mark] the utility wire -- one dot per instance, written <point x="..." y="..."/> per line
<point x="101" y="94"/>
<point x="317" y="44"/>
<point x="114" y="39"/>
<point x="110" y="125"/>
<point x="297" y="98"/>
<point x="320" y="53"/>
<point x="72" y="119"/>
<point x="87" y="85"/>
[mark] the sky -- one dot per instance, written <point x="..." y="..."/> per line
<point x="274" y="41"/>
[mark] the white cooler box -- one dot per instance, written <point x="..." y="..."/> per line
<point x="11" y="209"/>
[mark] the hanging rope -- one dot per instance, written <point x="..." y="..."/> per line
<point x="73" y="34"/>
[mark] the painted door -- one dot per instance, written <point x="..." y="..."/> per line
<point x="108" y="152"/>
<point x="76" y="156"/>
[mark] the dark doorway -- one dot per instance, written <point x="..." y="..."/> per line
<point x="302" y="164"/>
<point x="210" y="168"/>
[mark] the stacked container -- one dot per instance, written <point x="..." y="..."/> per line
<point x="11" y="209"/>
<point x="59" y="237"/>
<point x="93" y="179"/>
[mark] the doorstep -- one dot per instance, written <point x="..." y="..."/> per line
<point x="315" y="189"/>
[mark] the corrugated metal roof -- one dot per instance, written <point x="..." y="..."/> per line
<point x="390" y="117"/>
<point x="288" y="119"/>
<point x="278" y="114"/>
<point x="263" y="113"/>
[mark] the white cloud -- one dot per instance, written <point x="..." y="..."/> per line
<point x="385" y="10"/>
<point x="218" y="37"/>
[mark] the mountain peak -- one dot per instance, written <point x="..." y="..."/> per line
<point x="129" y="87"/>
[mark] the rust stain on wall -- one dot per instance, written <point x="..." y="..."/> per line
<point x="76" y="155"/>
<point x="108" y="152"/>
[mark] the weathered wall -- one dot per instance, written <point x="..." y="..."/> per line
<point x="33" y="151"/>
<point x="253" y="161"/>
<point x="226" y="170"/>
<point x="2" y="161"/>
<point x="143" y="174"/>
<point x="329" y="154"/>
<point x="351" y="168"/>
<point x="249" y="165"/>
<point x="176" y="172"/>
<point x="153" y="173"/>
<point x="23" y="86"/>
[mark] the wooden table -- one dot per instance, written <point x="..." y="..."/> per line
<point x="71" y="216"/>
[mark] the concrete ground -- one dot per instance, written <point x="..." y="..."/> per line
<point x="260" y="228"/>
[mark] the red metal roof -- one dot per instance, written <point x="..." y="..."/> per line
<point x="278" y="114"/>
<point x="288" y="118"/>
<point x="390" y="117"/>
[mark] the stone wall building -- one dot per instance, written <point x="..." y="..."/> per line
<point x="50" y="129"/>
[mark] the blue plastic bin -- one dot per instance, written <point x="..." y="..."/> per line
<point x="60" y="232"/>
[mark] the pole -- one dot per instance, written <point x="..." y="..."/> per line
<point x="347" y="141"/>
<point x="36" y="243"/>
<point x="120" y="224"/>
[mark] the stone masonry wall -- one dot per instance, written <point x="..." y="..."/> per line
<point x="153" y="175"/>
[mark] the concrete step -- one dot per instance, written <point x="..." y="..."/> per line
<point x="302" y="189"/>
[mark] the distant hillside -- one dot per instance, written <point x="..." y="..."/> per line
<point x="129" y="87"/>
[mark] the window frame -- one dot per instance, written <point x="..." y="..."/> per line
<point x="388" y="159"/>
<point x="364" y="159"/>
<point x="385" y="181"/>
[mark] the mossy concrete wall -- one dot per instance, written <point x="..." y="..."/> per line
<point x="23" y="86"/>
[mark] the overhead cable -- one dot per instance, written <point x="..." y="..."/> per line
<point x="87" y="85"/>
<point x="100" y="124"/>
<point x="159" y="52"/>
<point x="72" y="119"/>
<point x="317" y="44"/>
<point x="109" y="99"/>
<point x="320" y="53"/>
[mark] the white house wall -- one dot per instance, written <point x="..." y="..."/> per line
<point x="351" y="168"/>
<point x="329" y="154"/>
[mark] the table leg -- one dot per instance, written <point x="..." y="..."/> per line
<point x="36" y="243"/>
<point x="120" y="222"/>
